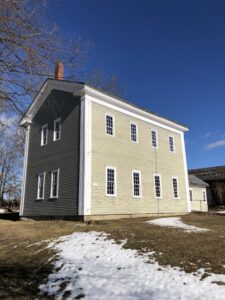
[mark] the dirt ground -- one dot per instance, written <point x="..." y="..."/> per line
<point x="24" y="259"/>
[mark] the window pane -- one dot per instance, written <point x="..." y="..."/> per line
<point x="171" y="143"/>
<point x="154" y="139"/>
<point x="57" y="130"/>
<point x="110" y="182"/>
<point x="54" y="184"/>
<point x="175" y="188"/>
<point x="157" y="186"/>
<point x="133" y="132"/>
<point x="109" y="125"/>
<point x="41" y="186"/>
<point x="190" y="193"/>
<point x="136" y="184"/>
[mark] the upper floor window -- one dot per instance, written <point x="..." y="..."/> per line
<point x="109" y="125"/>
<point x="154" y="139"/>
<point x="190" y="195"/>
<point x="136" y="178"/>
<point x="171" y="144"/>
<point x="204" y="195"/>
<point x="133" y="132"/>
<point x="54" y="184"/>
<point x="110" y="181"/>
<point x="41" y="186"/>
<point x="157" y="183"/>
<point x="57" y="130"/>
<point x="44" y="134"/>
<point x="175" y="188"/>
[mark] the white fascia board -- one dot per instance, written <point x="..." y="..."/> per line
<point x="49" y="85"/>
<point x="135" y="112"/>
<point x="186" y="173"/>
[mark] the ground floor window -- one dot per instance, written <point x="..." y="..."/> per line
<point x="204" y="195"/>
<point x="136" y="177"/>
<point x="110" y="181"/>
<point x="41" y="186"/>
<point x="190" y="194"/>
<point x="157" y="182"/>
<point x="175" y="188"/>
<point x="54" y="184"/>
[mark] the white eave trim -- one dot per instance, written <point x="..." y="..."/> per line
<point x="132" y="109"/>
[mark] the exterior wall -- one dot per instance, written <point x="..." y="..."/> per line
<point x="197" y="203"/>
<point x="125" y="156"/>
<point x="62" y="154"/>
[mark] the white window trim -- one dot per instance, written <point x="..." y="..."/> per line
<point x="161" y="189"/>
<point x="134" y="196"/>
<point x="174" y="145"/>
<point x="157" y="143"/>
<point x="41" y="198"/>
<point x="115" y="181"/>
<point x="54" y="132"/>
<point x="178" y="190"/>
<point x="134" y="123"/>
<point x="114" y="125"/>
<point x="191" y="194"/>
<point x="204" y="191"/>
<point x="51" y="187"/>
<point x="42" y="135"/>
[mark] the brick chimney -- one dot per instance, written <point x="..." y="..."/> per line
<point x="59" y="71"/>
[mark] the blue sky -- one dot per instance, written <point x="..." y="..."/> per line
<point x="169" y="57"/>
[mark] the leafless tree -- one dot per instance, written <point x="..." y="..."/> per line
<point x="11" y="154"/>
<point x="109" y="84"/>
<point x="30" y="44"/>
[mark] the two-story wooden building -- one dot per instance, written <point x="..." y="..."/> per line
<point x="93" y="155"/>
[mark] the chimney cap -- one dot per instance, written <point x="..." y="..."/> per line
<point x="59" y="70"/>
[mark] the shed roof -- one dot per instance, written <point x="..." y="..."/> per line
<point x="209" y="174"/>
<point x="195" y="181"/>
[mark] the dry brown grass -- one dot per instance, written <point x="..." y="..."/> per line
<point x="23" y="268"/>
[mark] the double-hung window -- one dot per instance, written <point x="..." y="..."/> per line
<point x="190" y="195"/>
<point x="136" y="180"/>
<point x="41" y="186"/>
<point x="54" y="184"/>
<point x="158" y="188"/>
<point x="57" y="130"/>
<point x="175" y="188"/>
<point x="204" y="195"/>
<point x="110" y="181"/>
<point x="109" y="125"/>
<point x="171" y="144"/>
<point x="44" y="134"/>
<point x="133" y="132"/>
<point x="154" y="138"/>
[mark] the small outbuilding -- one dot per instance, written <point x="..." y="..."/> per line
<point x="198" y="193"/>
<point x="215" y="177"/>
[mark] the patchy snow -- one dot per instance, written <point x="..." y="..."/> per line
<point x="90" y="265"/>
<point x="176" y="222"/>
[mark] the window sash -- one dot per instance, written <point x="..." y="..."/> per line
<point x="109" y="125"/>
<point x="175" y="188"/>
<point x="133" y="132"/>
<point x="110" y="181"/>
<point x="171" y="143"/>
<point x="154" y="138"/>
<point x="57" y="130"/>
<point x="136" y="180"/>
<point x="44" y="135"/>
<point x="54" y="184"/>
<point x="204" y="195"/>
<point x="41" y="186"/>
<point x="190" y="195"/>
<point x="157" y="183"/>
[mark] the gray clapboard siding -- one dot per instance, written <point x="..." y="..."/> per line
<point x="62" y="154"/>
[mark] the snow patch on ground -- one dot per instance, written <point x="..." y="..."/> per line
<point x="176" y="222"/>
<point x="90" y="265"/>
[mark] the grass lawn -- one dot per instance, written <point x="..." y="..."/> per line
<point x="24" y="261"/>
